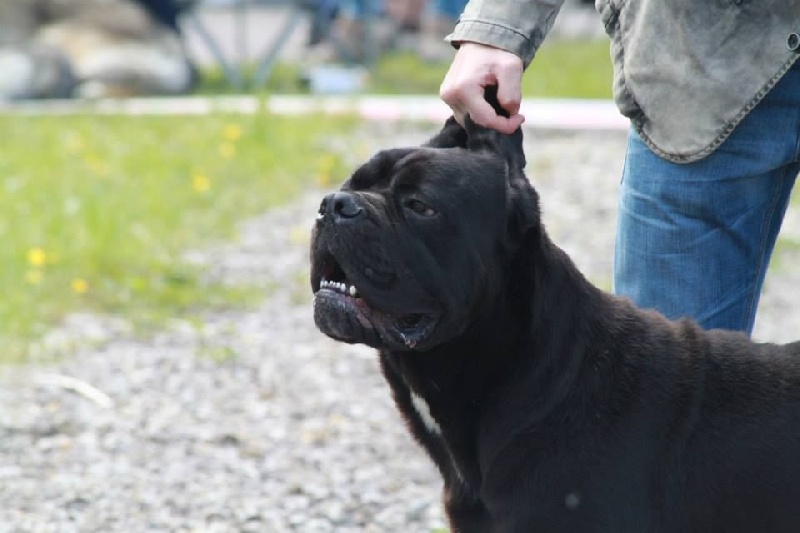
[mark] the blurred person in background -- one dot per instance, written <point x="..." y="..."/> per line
<point x="441" y="17"/>
<point x="361" y="30"/>
<point x="92" y="48"/>
<point x="409" y="25"/>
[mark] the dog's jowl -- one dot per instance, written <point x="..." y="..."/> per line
<point x="546" y="404"/>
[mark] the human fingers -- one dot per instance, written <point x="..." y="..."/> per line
<point x="453" y="88"/>
<point x="481" y="112"/>
<point x="509" y="85"/>
<point x="474" y="68"/>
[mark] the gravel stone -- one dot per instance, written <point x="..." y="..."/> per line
<point x="287" y="431"/>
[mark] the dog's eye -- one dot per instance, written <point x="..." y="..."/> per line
<point x="420" y="208"/>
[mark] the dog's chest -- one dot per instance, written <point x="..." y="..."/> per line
<point x="439" y="439"/>
<point x="423" y="411"/>
<point x="437" y="416"/>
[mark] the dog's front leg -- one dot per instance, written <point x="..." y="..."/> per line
<point x="466" y="513"/>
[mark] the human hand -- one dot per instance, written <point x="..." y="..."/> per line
<point x="475" y="67"/>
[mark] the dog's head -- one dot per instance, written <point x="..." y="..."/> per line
<point x="419" y="240"/>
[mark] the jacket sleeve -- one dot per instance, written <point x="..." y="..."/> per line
<point x="518" y="26"/>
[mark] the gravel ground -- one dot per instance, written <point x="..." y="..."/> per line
<point x="253" y="421"/>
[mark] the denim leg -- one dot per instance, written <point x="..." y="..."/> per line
<point x="695" y="240"/>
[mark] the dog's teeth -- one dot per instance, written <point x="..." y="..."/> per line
<point x="320" y="216"/>
<point x="339" y="286"/>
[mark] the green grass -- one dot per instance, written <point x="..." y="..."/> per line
<point x="561" y="69"/>
<point x="95" y="211"/>
<point x="570" y="69"/>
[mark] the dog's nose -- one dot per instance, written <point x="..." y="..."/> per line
<point x="340" y="205"/>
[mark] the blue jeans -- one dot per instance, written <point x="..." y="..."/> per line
<point x="696" y="239"/>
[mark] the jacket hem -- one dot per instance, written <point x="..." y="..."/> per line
<point x="727" y="130"/>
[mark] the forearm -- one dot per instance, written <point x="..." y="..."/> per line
<point x="518" y="26"/>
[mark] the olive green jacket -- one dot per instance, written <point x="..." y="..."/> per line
<point x="686" y="72"/>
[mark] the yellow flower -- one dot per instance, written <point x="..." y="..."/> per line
<point x="227" y="150"/>
<point x="232" y="132"/>
<point x="200" y="182"/>
<point x="79" y="285"/>
<point x="37" y="257"/>
<point x="33" y="277"/>
<point x="96" y="164"/>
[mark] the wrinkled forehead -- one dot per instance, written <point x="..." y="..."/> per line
<point x="432" y="169"/>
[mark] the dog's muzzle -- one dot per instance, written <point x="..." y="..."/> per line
<point x="339" y="207"/>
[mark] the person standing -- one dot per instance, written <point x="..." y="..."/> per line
<point x="712" y="91"/>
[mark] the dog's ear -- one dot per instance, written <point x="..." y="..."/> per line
<point x="524" y="234"/>
<point x="452" y="135"/>
<point x="523" y="203"/>
<point x="377" y="170"/>
<point x="482" y="138"/>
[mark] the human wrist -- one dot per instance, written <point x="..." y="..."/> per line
<point x="492" y="36"/>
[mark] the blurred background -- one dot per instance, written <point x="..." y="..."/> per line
<point x="120" y="48"/>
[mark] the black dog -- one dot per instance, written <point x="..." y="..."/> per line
<point x="547" y="404"/>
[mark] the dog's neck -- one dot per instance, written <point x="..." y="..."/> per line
<point x="470" y="364"/>
<point x="441" y="393"/>
<point x="462" y="364"/>
<point x="452" y="387"/>
<point x="565" y="324"/>
<point x="472" y="367"/>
